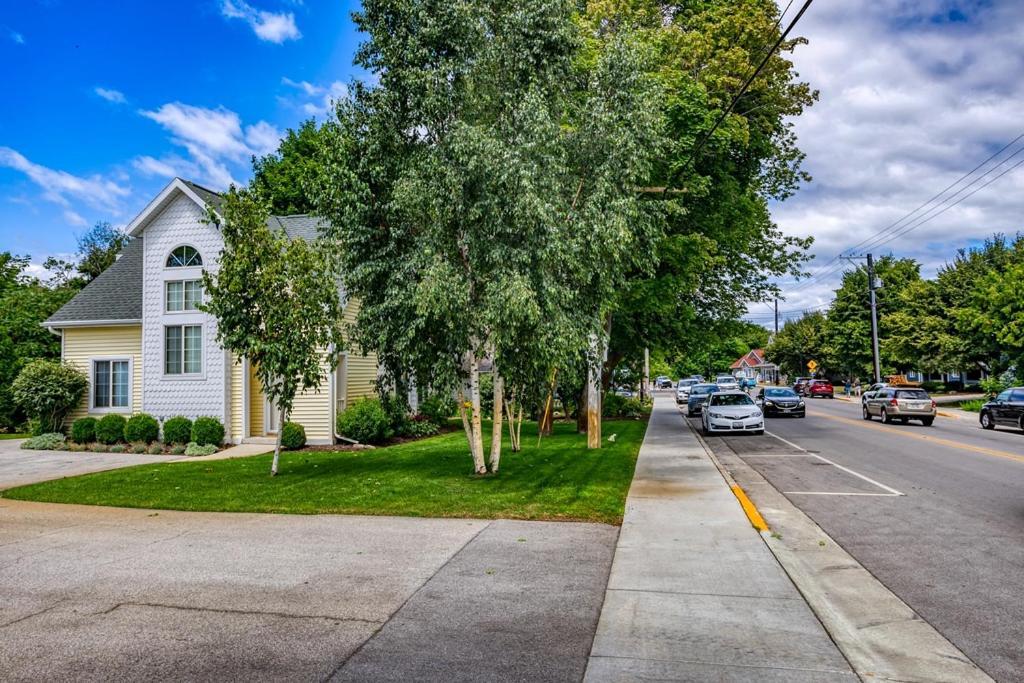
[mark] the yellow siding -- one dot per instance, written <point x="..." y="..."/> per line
<point x="361" y="370"/>
<point x="255" y="404"/>
<point x="81" y="344"/>
<point x="312" y="410"/>
<point x="237" y="399"/>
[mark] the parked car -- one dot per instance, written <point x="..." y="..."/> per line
<point x="625" y="392"/>
<point x="820" y="388"/>
<point x="902" y="404"/>
<point x="1005" y="410"/>
<point x="727" y="382"/>
<point x="683" y="390"/>
<point x="780" y="401"/>
<point x="699" y="378"/>
<point x="698" y="395"/>
<point x="800" y="385"/>
<point x="662" y="382"/>
<point x="731" y="411"/>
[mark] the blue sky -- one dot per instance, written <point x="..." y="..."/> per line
<point x="103" y="104"/>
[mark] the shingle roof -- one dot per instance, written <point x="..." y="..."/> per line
<point x="116" y="294"/>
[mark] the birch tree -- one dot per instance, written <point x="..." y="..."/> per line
<point x="276" y="302"/>
<point x="481" y="192"/>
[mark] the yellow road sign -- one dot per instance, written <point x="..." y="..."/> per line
<point x="812" y="365"/>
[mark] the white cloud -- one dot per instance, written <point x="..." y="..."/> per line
<point x="162" y="168"/>
<point x="115" y="96"/>
<point x="934" y="96"/>
<point x="269" y="26"/>
<point x="60" y="187"/>
<point x="323" y="96"/>
<point x="74" y="218"/>
<point x="18" y="38"/>
<point x="215" y="141"/>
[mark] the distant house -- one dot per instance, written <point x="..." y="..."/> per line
<point x="754" y="366"/>
<point x="137" y="331"/>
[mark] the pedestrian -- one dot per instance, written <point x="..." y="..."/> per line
<point x="856" y="386"/>
<point x="847" y="387"/>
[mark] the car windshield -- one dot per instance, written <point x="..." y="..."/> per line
<point x="701" y="389"/>
<point x="724" y="378"/>
<point x="687" y="382"/>
<point x="730" y="400"/>
<point x="779" y="393"/>
<point x="913" y="394"/>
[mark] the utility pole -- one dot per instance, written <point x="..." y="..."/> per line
<point x="646" y="384"/>
<point x="872" y="286"/>
<point x="776" y="316"/>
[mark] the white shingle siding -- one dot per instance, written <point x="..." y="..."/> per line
<point x="181" y="222"/>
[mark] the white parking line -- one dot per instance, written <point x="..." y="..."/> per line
<point x="892" y="491"/>
<point x="834" y="493"/>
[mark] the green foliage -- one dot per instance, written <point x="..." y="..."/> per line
<point x="118" y="448"/>
<point x="25" y="302"/>
<point x="437" y="409"/>
<point x="365" y="421"/>
<point x="276" y="301"/>
<point x="420" y="428"/>
<point x="612" y="405"/>
<point x="993" y="385"/>
<point x="398" y="413"/>
<point x="177" y="430"/>
<point x="933" y="387"/>
<point x="98" y="249"/>
<point x="195" y="449"/>
<point x="208" y="431"/>
<point x="110" y="428"/>
<point x="178" y="449"/>
<point x="293" y="435"/>
<point x="286" y="175"/>
<point x="44" y="442"/>
<point x="155" y="448"/>
<point x="83" y="430"/>
<point x="973" y="406"/>
<point x="48" y="390"/>
<point x="142" y="427"/>
<point x="139" y="448"/>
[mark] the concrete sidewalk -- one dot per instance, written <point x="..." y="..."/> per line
<point x="694" y="592"/>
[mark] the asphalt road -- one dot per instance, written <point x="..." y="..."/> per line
<point x="935" y="513"/>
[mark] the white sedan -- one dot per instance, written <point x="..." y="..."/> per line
<point x="683" y="390"/>
<point x="731" y="411"/>
<point x="727" y="382"/>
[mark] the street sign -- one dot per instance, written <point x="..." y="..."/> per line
<point x="812" y="365"/>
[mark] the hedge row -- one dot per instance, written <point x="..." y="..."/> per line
<point x="142" y="428"/>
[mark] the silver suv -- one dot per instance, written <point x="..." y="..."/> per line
<point x="900" y="404"/>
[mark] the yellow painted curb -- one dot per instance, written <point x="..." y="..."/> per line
<point x="748" y="507"/>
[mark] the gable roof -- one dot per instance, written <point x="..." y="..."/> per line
<point x="751" y="359"/>
<point x="115" y="296"/>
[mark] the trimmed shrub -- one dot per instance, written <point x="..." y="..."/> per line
<point x="118" y="448"/>
<point x="83" y="430"/>
<point x="99" y="448"/>
<point x="438" y="409"/>
<point x="139" y="448"/>
<point x="155" y="448"/>
<point x="77" y="447"/>
<point x="51" y="441"/>
<point x="48" y="390"/>
<point x="178" y="430"/>
<point x="972" y="406"/>
<point x="420" y="427"/>
<point x="179" y="449"/>
<point x="612" y="405"/>
<point x="365" y="421"/>
<point x="110" y="429"/>
<point x="398" y="414"/>
<point x="142" y="427"/>
<point x="293" y="435"/>
<point x="634" y="407"/>
<point x="207" y="431"/>
<point x="196" y="449"/>
<point x="933" y="387"/>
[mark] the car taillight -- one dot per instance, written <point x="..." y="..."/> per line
<point x="933" y="403"/>
<point x="893" y="402"/>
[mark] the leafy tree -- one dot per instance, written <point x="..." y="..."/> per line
<point x="48" y="390"/>
<point x="98" y="249"/>
<point x="286" y="176"/>
<point x="798" y="342"/>
<point x="276" y="302"/>
<point x="482" y="194"/>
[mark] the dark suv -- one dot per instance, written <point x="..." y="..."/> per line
<point x="1006" y="410"/>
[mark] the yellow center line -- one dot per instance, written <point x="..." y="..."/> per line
<point x="930" y="439"/>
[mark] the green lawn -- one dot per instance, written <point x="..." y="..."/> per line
<point x="13" y="436"/>
<point x="561" y="480"/>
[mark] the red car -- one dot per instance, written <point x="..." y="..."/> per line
<point x="820" y="388"/>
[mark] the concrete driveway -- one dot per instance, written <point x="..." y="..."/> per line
<point x="18" y="467"/>
<point x="96" y="593"/>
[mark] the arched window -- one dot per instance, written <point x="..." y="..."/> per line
<point x="184" y="257"/>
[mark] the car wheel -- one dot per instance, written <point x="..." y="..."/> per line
<point x="885" y="417"/>
<point x="986" y="420"/>
<point x="831" y="396"/>
<point x="927" y="421"/>
<point x="704" y="429"/>
<point x="866" y="412"/>
<point x="802" y="415"/>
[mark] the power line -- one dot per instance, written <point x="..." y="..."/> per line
<point x="736" y="98"/>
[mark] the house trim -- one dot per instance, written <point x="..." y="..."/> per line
<point x="91" y="323"/>
<point x="152" y="209"/>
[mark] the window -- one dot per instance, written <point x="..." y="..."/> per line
<point x="184" y="257"/>
<point x="913" y="394"/>
<point x="183" y="295"/>
<point x="1004" y="397"/>
<point x="1017" y="396"/>
<point x="730" y="400"/>
<point x="183" y="350"/>
<point x="110" y="384"/>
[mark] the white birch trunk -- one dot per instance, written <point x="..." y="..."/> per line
<point x="519" y="429"/>
<point x="499" y="395"/>
<point x="277" y="447"/>
<point x="594" y="404"/>
<point x="476" y="420"/>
